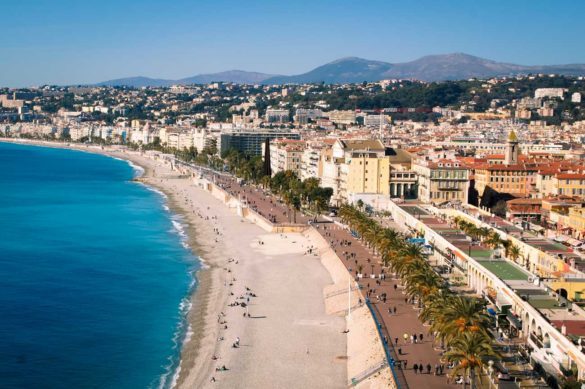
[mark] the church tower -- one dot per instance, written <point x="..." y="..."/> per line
<point x="512" y="149"/>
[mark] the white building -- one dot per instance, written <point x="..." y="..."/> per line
<point x="277" y="115"/>
<point x="286" y="154"/>
<point x="549" y="92"/>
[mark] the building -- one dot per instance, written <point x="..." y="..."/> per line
<point x="444" y="180"/>
<point x="250" y="141"/>
<point x="513" y="177"/>
<point x="368" y="173"/>
<point x="376" y="121"/>
<point x="303" y="115"/>
<point x="286" y="154"/>
<point x="569" y="184"/>
<point x="341" y="117"/>
<point x="278" y="116"/>
<point x="577" y="222"/>
<point x="311" y="165"/>
<point x="549" y="92"/>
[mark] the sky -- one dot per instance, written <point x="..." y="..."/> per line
<point x="77" y="41"/>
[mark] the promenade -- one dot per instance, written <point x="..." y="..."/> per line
<point x="353" y="254"/>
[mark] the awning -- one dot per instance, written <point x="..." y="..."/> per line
<point x="492" y="311"/>
<point x="574" y="242"/>
<point x="561" y="238"/>
<point x="514" y="320"/>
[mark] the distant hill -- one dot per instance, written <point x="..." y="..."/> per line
<point x="235" y="76"/>
<point x="136" y="82"/>
<point x="459" y="66"/>
<point x="455" y="66"/>
<point x="344" y="70"/>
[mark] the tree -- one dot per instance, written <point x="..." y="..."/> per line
<point x="500" y="208"/>
<point x="514" y="252"/>
<point x="266" y="168"/>
<point x="467" y="352"/>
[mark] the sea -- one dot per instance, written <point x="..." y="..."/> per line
<point x="95" y="274"/>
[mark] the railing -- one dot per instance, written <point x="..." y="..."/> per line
<point x="341" y="291"/>
<point x="389" y="350"/>
<point x="367" y="374"/>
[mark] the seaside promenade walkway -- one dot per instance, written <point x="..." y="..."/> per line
<point x="405" y="321"/>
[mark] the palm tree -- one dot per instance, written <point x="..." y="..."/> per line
<point x="514" y="253"/>
<point x="467" y="352"/>
<point x="493" y="240"/>
<point x="461" y="315"/>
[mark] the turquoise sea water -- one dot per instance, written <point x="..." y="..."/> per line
<point x="94" y="274"/>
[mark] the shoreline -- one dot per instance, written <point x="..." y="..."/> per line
<point x="200" y="339"/>
<point x="205" y="277"/>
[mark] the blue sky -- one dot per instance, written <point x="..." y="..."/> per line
<point x="79" y="41"/>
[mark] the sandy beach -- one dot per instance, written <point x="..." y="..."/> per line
<point x="290" y="334"/>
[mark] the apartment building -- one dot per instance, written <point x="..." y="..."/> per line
<point x="286" y="154"/>
<point x="441" y="180"/>
<point x="278" y="116"/>
<point x="341" y="117"/>
<point x="368" y="173"/>
<point x="303" y="115"/>
<point x="569" y="184"/>
<point x="250" y="141"/>
<point x="311" y="164"/>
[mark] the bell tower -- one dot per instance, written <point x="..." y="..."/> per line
<point x="512" y="149"/>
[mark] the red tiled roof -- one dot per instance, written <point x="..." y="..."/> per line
<point x="570" y="176"/>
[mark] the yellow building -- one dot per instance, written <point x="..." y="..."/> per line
<point x="569" y="184"/>
<point x="368" y="173"/>
<point x="577" y="222"/>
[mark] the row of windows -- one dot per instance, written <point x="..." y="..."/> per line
<point x="444" y="195"/>
<point x="507" y="179"/>
<point x="450" y="184"/>
<point x="573" y="191"/>
<point x="404" y="175"/>
<point x="449" y="174"/>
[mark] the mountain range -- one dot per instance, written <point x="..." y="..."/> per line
<point x="455" y="66"/>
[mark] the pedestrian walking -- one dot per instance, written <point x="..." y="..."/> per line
<point x="396" y="341"/>
<point x="394" y="309"/>
<point x="421" y="337"/>
<point x="429" y="367"/>
<point x="415" y="367"/>
<point x="414" y="338"/>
